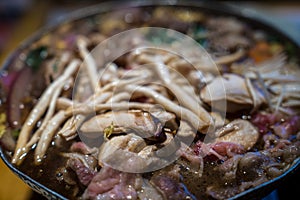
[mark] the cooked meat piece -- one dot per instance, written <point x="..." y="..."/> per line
<point x="221" y="193"/>
<point x="142" y="123"/>
<point x="287" y="128"/>
<point x="148" y="191"/>
<point x="7" y="141"/>
<point x="82" y="148"/>
<point x="252" y="165"/>
<point x="227" y="33"/>
<point x="170" y="188"/>
<point x="167" y="181"/>
<point x="220" y="150"/>
<point x="229" y="93"/>
<point x="129" y="153"/>
<point x="230" y="41"/>
<point x="112" y="184"/>
<point x="225" y="25"/>
<point x="228" y="149"/>
<point x="194" y="161"/>
<point x="240" y="132"/>
<point x="229" y="168"/>
<point x="84" y="174"/>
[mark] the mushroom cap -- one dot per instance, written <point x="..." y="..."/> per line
<point x="230" y="89"/>
<point x="238" y="131"/>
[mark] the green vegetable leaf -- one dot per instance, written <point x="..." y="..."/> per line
<point x="55" y="67"/>
<point x="108" y="131"/>
<point x="15" y="133"/>
<point x="162" y="38"/>
<point x="199" y="33"/>
<point x="291" y="49"/>
<point x="36" y="56"/>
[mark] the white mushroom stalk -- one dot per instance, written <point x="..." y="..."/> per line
<point x="69" y="130"/>
<point x="121" y="83"/>
<point x="200" y="123"/>
<point x="47" y="136"/>
<point x="89" y="63"/>
<point x="280" y="98"/>
<point x="170" y="82"/>
<point x="256" y="100"/>
<point x="264" y="89"/>
<point x="110" y="106"/>
<point x="230" y="58"/>
<point x="92" y="101"/>
<point x="36" y="136"/>
<point x="40" y="109"/>
<point x="108" y="93"/>
<point x="63" y="103"/>
<point x="187" y="100"/>
<point x="119" y="97"/>
<point x="170" y="78"/>
<point x="278" y="81"/>
<point x="49" y="113"/>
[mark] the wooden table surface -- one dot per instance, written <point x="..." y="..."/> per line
<point x="12" y="188"/>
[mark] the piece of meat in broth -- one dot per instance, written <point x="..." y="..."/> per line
<point x="112" y="184"/>
<point x="230" y="92"/>
<point x="240" y="132"/>
<point x="129" y="153"/>
<point x="142" y="123"/>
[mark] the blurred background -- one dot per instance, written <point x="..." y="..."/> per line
<point x="20" y="18"/>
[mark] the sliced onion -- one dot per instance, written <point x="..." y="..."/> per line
<point x="16" y="94"/>
<point x="8" y="80"/>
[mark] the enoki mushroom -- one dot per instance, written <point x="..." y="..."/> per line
<point x="40" y="108"/>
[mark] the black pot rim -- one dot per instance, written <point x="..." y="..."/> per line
<point x="211" y="6"/>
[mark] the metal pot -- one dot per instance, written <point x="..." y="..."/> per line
<point x="209" y="7"/>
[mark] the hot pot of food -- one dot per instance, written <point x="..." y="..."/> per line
<point x="153" y="100"/>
